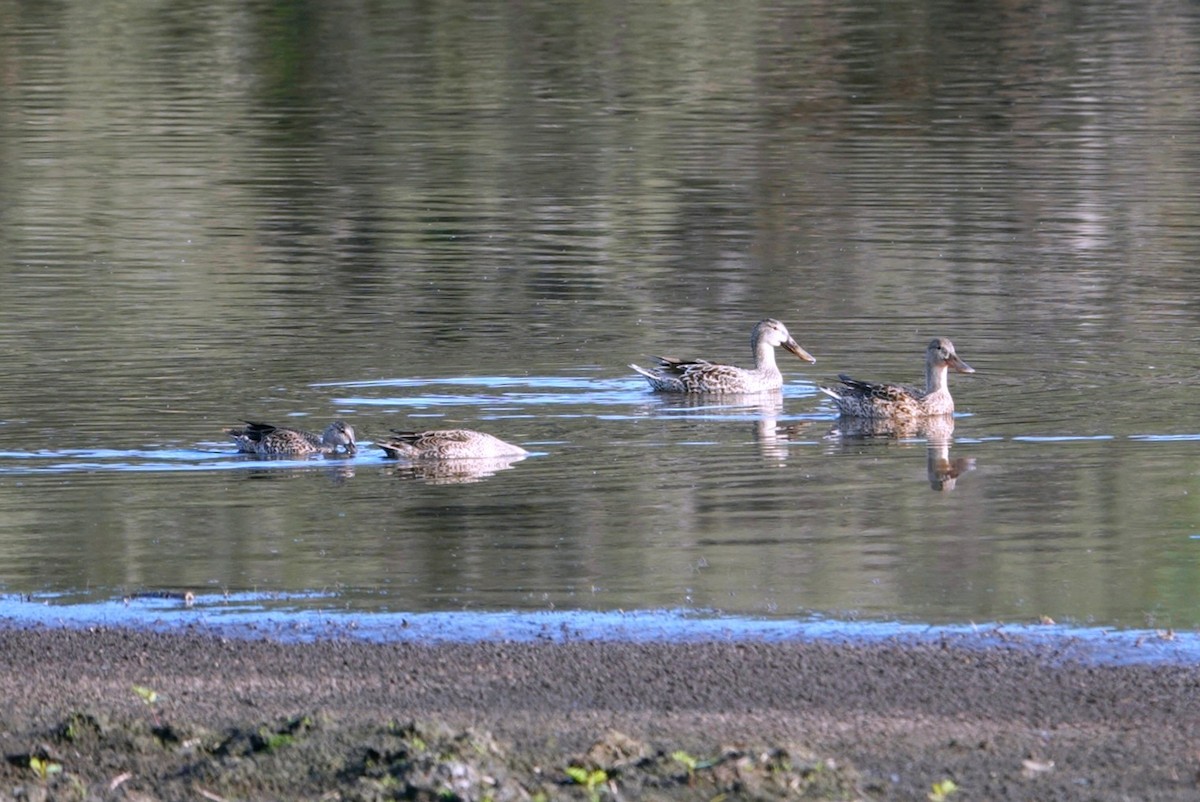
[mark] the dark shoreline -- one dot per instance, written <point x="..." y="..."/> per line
<point x="875" y="721"/>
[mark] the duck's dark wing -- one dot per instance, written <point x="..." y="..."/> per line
<point x="679" y="367"/>
<point x="884" y="392"/>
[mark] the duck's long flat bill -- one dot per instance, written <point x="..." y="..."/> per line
<point x="795" y="348"/>
<point x="959" y="365"/>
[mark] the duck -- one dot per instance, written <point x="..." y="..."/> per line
<point x="267" y="440"/>
<point x="673" y="375"/>
<point x="898" y="402"/>
<point x="448" y="444"/>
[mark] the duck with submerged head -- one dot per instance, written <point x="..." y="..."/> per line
<point x="859" y="399"/>
<point x="267" y="440"/>
<point x="673" y="375"/>
<point x="447" y="444"/>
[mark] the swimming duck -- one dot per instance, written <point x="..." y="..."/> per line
<point x="861" y="399"/>
<point x="447" y="444"/>
<point x="267" y="440"/>
<point x="700" y="376"/>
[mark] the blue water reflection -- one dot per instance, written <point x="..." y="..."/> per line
<point x="311" y="616"/>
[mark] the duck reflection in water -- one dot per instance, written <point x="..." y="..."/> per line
<point x="943" y="471"/>
<point x="938" y="430"/>
<point x="774" y="439"/>
<point x="765" y="408"/>
<point x="453" y="471"/>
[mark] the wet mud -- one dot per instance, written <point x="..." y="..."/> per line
<point x="129" y="714"/>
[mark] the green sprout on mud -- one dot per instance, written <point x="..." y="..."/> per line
<point x="687" y="760"/>
<point x="690" y="762"/>
<point x="71" y="732"/>
<point x="941" y="791"/>
<point x="150" y="697"/>
<point x="592" y="779"/>
<point x="272" y="741"/>
<point x="44" y="768"/>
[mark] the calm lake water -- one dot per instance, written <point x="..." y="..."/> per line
<point x="457" y="214"/>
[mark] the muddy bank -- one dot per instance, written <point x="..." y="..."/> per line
<point x="240" y="719"/>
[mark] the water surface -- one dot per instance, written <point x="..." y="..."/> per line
<point x="413" y="216"/>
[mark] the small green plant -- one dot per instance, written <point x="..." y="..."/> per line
<point x="591" y="779"/>
<point x="690" y="763"/>
<point x="269" y="740"/>
<point x="44" y="768"/>
<point x="941" y="790"/>
<point x="272" y="741"/>
<point x="687" y="760"/>
<point x="150" y="697"/>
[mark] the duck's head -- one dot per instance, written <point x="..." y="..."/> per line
<point x="940" y="353"/>
<point x="775" y="334"/>
<point x="340" y="433"/>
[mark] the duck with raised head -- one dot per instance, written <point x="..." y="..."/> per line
<point x="859" y="399"/>
<point x="447" y="444"/>
<point x="267" y="440"/>
<point x="673" y="375"/>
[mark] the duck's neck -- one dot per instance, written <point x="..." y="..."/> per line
<point x="935" y="378"/>
<point x="937" y="400"/>
<point x="764" y="357"/>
